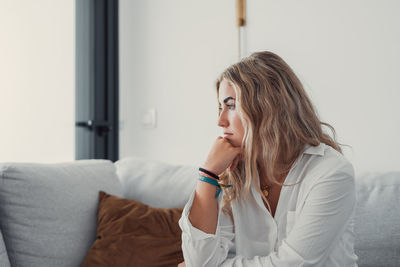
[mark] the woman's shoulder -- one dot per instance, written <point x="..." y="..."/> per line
<point x="324" y="162"/>
<point x="327" y="173"/>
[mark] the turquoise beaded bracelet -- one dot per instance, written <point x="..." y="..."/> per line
<point x="213" y="182"/>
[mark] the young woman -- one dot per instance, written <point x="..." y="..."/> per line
<point x="275" y="189"/>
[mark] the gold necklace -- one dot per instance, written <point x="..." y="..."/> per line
<point x="265" y="189"/>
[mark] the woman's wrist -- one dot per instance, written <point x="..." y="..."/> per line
<point x="208" y="173"/>
<point x="206" y="190"/>
<point x="209" y="186"/>
<point x="212" y="179"/>
<point x="210" y="168"/>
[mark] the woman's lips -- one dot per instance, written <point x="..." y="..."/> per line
<point x="226" y="135"/>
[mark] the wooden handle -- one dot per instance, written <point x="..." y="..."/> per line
<point x="241" y="13"/>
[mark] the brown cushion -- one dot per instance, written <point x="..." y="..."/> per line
<point x="130" y="233"/>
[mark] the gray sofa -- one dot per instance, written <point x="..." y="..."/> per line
<point x="48" y="212"/>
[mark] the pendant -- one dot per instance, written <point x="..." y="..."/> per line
<point x="265" y="191"/>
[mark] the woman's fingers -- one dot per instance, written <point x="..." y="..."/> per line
<point x="221" y="156"/>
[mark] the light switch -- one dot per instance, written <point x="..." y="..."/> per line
<point x="150" y="118"/>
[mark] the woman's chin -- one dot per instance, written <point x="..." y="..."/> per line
<point x="233" y="142"/>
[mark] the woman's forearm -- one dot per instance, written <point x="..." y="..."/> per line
<point x="204" y="212"/>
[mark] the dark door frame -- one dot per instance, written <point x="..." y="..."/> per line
<point x="97" y="123"/>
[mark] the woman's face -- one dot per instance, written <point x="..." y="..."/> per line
<point x="229" y="118"/>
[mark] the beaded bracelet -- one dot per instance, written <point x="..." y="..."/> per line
<point x="213" y="182"/>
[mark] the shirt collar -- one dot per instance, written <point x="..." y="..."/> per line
<point x="308" y="149"/>
<point x="314" y="150"/>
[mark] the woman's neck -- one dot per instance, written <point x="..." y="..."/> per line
<point x="280" y="175"/>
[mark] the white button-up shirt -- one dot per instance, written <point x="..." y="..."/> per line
<point x="313" y="223"/>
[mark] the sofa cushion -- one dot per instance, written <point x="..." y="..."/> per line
<point x="156" y="183"/>
<point x="130" y="233"/>
<point x="49" y="211"/>
<point x="377" y="218"/>
<point x="4" y="261"/>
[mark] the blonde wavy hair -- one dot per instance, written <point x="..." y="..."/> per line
<point x="278" y="118"/>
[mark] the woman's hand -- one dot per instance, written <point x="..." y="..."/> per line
<point x="221" y="156"/>
<point x="182" y="264"/>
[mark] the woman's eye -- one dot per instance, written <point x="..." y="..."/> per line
<point x="230" y="107"/>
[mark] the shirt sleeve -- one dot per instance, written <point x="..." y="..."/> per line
<point x="203" y="249"/>
<point x="326" y="211"/>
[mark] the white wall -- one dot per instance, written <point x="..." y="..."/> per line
<point x="170" y="54"/>
<point x="345" y="52"/>
<point x="37" y="80"/>
<point x="347" y="55"/>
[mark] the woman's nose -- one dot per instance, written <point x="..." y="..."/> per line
<point x="222" y="121"/>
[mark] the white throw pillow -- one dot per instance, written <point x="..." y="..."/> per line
<point x="156" y="183"/>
